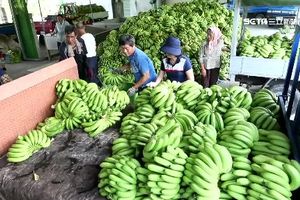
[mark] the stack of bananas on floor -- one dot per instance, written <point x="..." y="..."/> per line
<point x="79" y="105"/>
<point x="52" y="126"/>
<point x="27" y="145"/>
<point x="93" y="109"/>
<point x="202" y="171"/>
<point x="271" y="143"/>
<point x="166" y="170"/>
<point x="194" y="139"/>
<point x="93" y="128"/>
<point x="273" y="179"/>
<point x="234" y="184"/>
<point x="239" y="138"/>
<point x="194" y="156"/>
<point x="118" y="178"/>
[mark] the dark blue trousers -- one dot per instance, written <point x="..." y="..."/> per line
<point x="92" y="70"/>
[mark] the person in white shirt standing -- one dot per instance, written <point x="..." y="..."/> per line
<point x="92" y="60"/>
<point x="60" y="27"/>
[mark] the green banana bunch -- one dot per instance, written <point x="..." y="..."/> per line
<point x="162" y="96"/>
<point x="239" y="138"/>
<point x="112" y="95"/>
<point x="233" y="115"/>
<point x="165" y="174"/>
<point x="234" y="184"/>
<point x="27" y="145"/>
<point x="267" y="99"/>
<point x="110" y="78"/>
<point x="63" y="86"/>
<point x="79" y="85"/>
<point x="94" y="128"/>
<point x="52" y="126"/>
<point x="143" y="97"/>
<point x="188" y="93"/>
<point x="145" y="113"/>
<point x="272" y="178"/>
<point x="90" y="92"/>
<point x="143" y="134"/>
<point x="207" y="114"/>
<point x="203" y="169"/>
<point x="143" y="190"/>
<point x="129" y="124"/>
<point x="168" y="135"/>
<point x="97" y="102"/>
<point x="71" y="112"/>
<point x="121" y="146"/>
<point x="194" y="139"/>
<point x="242" y="96"/>
<point x="263" y="118"/>
<point x="118" y="177"/>
<point x="122" y="100"/>
<point x="272" y="143"/>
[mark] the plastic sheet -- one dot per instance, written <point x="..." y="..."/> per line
<point x="67" y="170"/>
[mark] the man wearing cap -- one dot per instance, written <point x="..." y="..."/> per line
<point x="141" y="65"/>
<point x="177" y="66"/>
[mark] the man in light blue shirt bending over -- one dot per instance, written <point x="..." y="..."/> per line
<point x="141" y="65"/>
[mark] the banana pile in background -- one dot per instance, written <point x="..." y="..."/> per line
<point x="275" y="46"/>
<point x="188" y="21"/>
<point x="188" y="142"/>
<point x="79" y="105"/>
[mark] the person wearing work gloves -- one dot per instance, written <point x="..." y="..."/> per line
<point x="177" y="66"/>
<point x="140" y="64"/>
<point x="210" y="56"/>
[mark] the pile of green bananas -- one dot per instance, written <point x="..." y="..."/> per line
<point x="273" y="179"/>
<point x="234" y="184"/>
<point x="219" y="162"/>
<point x="202" y="171"/>
<point x="207" y="114"/>
<point x="94" y="128"/>
<point x="239" y="138"/>
<point x="165" y="173"/>
<point x="195" y="138"/>
<point x="271" y="143"/>
<point x="263" y="118"/>
<point x="79" y="105"/>
<point x="233" y="115"/>
<point x="119" y="79"/>
<point x="275" y="46"/>
<point x="52" y="126"/>
<point x="27" y="145"/>
<point x="188" y="21"/>
<point x="118" y="178"/>
<point x="265" y="98"/>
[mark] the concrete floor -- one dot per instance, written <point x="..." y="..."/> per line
<point x="28" y="66"/>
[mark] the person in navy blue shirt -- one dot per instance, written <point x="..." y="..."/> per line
<point x="141" y="65"/>
<point x="177" y="66"/>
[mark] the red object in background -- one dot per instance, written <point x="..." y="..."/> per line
<point x="49" y="24"/>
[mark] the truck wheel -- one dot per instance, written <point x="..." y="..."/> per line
<point x="259" y="16"/>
